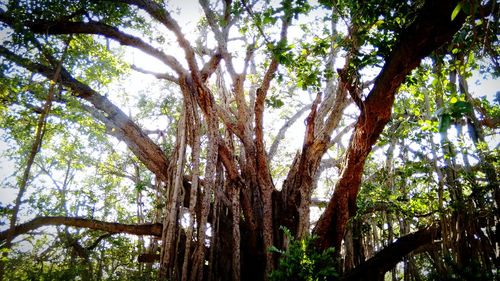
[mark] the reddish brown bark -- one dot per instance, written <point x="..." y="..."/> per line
<point x="297" y="188"/>
<point x="432" y="28"/>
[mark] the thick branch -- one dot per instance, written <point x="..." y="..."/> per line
<point x="386" y="259"/>
<point x="261" y="97"/>
<point x="135" y="229"/>
<point x="431" y="29"/>
<point x="210" y="66"/>
<point x="143" y="147"/>
<point x="98" y="28"/>
<point x="259" y="107"/>
<point x="156" y="11"/>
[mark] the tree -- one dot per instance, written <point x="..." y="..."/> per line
<point x="211" y="178"/>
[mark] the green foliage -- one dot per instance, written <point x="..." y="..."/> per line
<point x="100" y="66"/>
<point x="377" y="24"/>
<point x="451" y="112"/>
<point x="303" y="262"/>
<point x="456" y="10"/>
<point x="50" y="10"/>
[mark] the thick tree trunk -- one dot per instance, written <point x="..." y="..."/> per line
<point x="431" y="29"/>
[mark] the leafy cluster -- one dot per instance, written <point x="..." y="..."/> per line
<point x="302" y="261"/>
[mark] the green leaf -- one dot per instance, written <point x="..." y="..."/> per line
<point x="273" y="249"/>
<point x="460" y="108"/>
<point x="444" y="123"/>
<point x="274" y="102"/>
<point x="456" y="11"/>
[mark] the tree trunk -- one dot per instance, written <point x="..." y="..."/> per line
<point x="431" y="29"/>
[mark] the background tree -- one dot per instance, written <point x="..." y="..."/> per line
<point x="213" y="184"/>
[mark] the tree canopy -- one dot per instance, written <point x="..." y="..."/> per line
<point x="249" y="140"/>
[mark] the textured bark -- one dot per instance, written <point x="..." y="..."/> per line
<point x="170" y="222"/>
<point x="294" y="200"/>
<point x="295" y="196"/>
<point x="236" y="258"/>
<point x="195" y="144"/>
<point x="262" y="167"/>
<point x="431" y="29"/>
<point x="209" y="189"/>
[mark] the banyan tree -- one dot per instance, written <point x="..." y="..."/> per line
<point x="352" y="74"/>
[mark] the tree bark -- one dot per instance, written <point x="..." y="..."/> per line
<point x="124" y="128"/>
<point x="431" y="29"/>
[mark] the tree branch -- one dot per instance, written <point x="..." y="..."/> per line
<point x="156" y="11"/>
<point x="135" y="229"/>
<point x="259" y="104"/>
<point x="281" y="133"/>
<point x="212" y="21"/>
<point x="386" y="259"/>
<point x="210" y="66"/>
<point x="97" y="241"/>
<point x="221" y="34"/>
<point x="97" y="28"/>
<point x="431" y="29"/>
<point x="143" y="147"/>
<point x="164" y="76"/>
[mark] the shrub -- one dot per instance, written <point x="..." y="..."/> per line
<point x="303" y="262"/>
